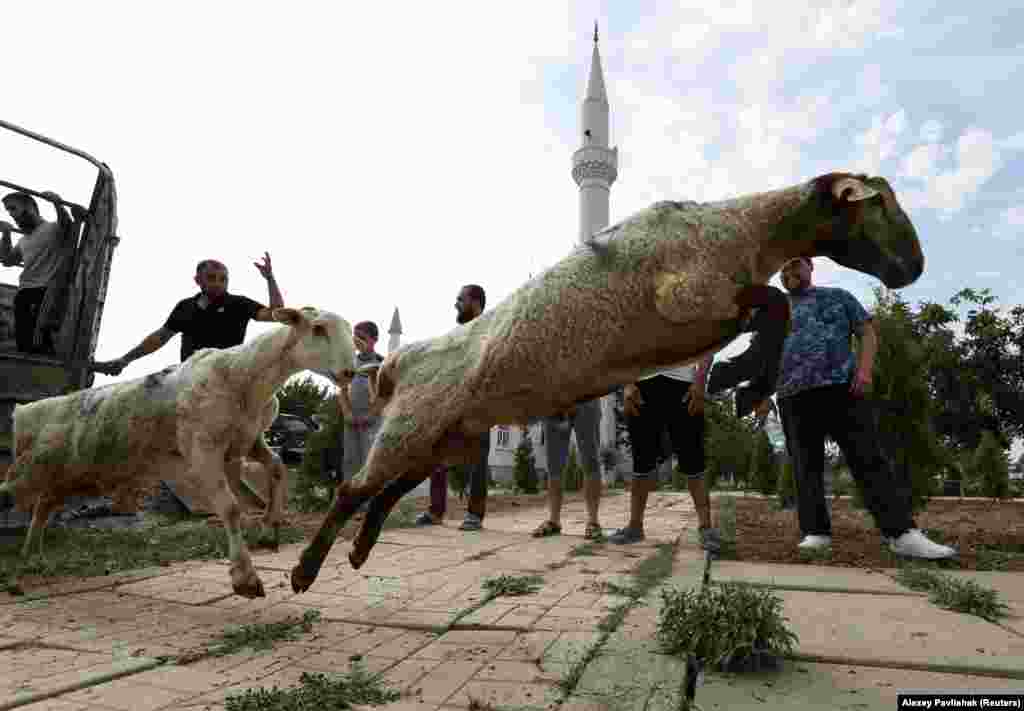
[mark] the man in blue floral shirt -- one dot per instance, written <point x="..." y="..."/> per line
<point x="821" y="391"/>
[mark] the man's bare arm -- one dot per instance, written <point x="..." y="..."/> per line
<point x="10" y="256"/>
<point x="153" y="342"/>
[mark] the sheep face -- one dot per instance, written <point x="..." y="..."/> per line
<point x="869" y="231"/>
<point x="323" y="342"/>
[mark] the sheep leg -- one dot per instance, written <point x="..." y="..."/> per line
<point x="380" y="507"/>
<point x="207" y="470"/>
<point x="277" y="486"/>
<point x="241" y="488"/>
<point x="312" y="558"/>
<point x="40" y="514"/>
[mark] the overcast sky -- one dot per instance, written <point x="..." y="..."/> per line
<point x="387" y="153"/>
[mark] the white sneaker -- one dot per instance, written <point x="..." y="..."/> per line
<point x="814" y="542"/>
<point x="915" y="544"/>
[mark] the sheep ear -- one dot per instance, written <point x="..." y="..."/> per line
<point x="852" y="190"/>
<point x="287" y="316"/>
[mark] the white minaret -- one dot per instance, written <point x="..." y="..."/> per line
<point x="395" y="332"/>
<point x="594" y="168"/>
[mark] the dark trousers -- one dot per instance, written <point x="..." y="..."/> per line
<point x="27" y="303"/>
<point x="664" y="408"/>
<point x="479" y="477"/>
<point x="808" y="417"/>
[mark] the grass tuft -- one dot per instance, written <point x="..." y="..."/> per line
<point x="316" y="691"/>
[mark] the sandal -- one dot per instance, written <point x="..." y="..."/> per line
<point x="548" y="528"/>
<point x="593" y="532"/>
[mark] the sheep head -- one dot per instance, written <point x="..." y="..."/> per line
<point x="320" y="341"/>
<point x="866" y="229"/>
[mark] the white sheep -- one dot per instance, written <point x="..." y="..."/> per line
<point x="192" y="423"/>
<point x="671" y="284"/>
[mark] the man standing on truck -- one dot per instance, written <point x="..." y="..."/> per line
<point x="213" y="318"/>
<point x="40" y="253"/>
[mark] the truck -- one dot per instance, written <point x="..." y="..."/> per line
<point x="73" y="304"/>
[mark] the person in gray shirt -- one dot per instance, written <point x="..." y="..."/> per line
<point x="40" y="253"/>
<point x="360" y="424"/>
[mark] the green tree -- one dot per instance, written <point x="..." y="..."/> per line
<point x="990" y="468"/>
<point x="764" y="471"/>
<point x="901" y="396"/>
<point x="302" y="396"/>
<point x="729" y="441"/>
<point x="525" y="467"/>
<point x="311" y="488"/>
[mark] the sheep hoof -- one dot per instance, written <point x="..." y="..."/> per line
<point x="252" y="589"/>
<point x="300" y="580"/>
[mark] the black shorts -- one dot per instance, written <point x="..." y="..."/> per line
<point x="663" y="408"/>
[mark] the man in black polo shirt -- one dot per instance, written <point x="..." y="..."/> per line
<point x="213" y="318"/>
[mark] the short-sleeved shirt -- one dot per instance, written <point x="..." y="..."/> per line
<point x="817" y="352"/>
<point x="220" y="325"/>
<point x="685" y="373"/>
<point x="359" y="392"/>
<point x="41" y="253"/>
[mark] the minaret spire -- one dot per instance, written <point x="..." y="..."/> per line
<point x="594" y="168"/>
<point x="395" y="331"/>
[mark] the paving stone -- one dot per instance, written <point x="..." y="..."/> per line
<point x="404" y="675"/>
<point x="505" y="694"/>
<point x="468" y="651"/>
<point x="444" y="680"/>
<point x="807" y="576"/>
<point x="129" y="695"/>
<point x="890" y="628"/>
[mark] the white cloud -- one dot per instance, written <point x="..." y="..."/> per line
<point x="1014" y="216"/>
<point x="931" y="131"/>
<point x="977" y="160"/>
<point x="922" y="162"/>
<point x="878" y="143"/>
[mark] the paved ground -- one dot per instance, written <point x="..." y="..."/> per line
<point x="110" y="643"/>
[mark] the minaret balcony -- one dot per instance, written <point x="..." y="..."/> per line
<point x="595" y="162"/>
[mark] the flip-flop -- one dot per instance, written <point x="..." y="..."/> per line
<point x="547" y="529"/>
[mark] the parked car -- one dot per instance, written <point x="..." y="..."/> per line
<point x="287" y="436"/>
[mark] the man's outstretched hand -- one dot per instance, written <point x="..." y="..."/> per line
<point x="266" y="268"/>
<point x="110" y="367"/>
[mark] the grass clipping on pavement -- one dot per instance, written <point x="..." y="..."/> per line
<point x="953" y="594"/>
<point x="318" y="691"/>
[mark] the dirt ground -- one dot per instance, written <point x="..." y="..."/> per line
<point x="767" y="534"/>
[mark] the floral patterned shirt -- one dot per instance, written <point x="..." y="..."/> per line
<point x="818" y="352"/>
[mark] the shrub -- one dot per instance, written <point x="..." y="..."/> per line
<point x="727" y="621"/>
<point x="990" y="469"/>
<point x="525" y="469"/>
<point x="787" y="482"/>
<point x="764" y="470"/>
<point x="572" y="475"/>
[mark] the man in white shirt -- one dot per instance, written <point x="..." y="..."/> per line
<point x="672" y="398"/>
<point x="40" y="252"/>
